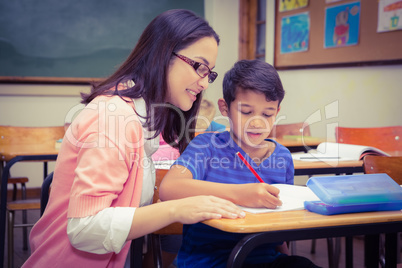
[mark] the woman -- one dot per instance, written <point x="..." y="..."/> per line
<point x="103" y="178"/>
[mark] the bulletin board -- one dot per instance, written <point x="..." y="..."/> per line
<point x="74" y="41"/>
<point x="372" y="48"/>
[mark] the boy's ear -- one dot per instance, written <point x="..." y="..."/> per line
<point x="223" y="107"/>
<point x="279" y="108"/>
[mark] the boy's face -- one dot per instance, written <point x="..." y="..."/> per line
<point x="251" y="118"/>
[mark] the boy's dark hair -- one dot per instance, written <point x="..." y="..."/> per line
<point x="148" y="65"/>
<point x="255" y="75"/>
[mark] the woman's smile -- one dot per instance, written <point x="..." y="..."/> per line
<point x="192" y="94"/>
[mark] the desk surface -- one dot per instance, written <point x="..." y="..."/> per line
<point x="298" y="164"/>
<point x="312" y="142"/>
<point x="300" y="219"/>
<point x="331" y="167"/>
<point x="8" y="152"/>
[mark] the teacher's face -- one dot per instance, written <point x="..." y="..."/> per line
<point x="184" y="83"/>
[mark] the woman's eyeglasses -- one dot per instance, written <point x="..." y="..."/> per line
<point x="200" y="68"/>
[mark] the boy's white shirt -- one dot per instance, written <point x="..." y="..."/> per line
<point x="107" y="231"/>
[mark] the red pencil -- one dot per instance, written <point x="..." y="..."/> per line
<point x="249" y="167"/>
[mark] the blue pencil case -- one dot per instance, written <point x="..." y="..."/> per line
<point x="354" y="193"/>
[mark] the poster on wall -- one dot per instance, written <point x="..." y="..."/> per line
<point x="295" y="32"/>
<point x="342" y="25"/>
<point x="287" y="5"/>
<point x="389" y="15"/>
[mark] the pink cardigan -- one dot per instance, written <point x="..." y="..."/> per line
<point x="99" y="166"/>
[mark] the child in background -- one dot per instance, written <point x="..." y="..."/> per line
<point x="205" y="119"/>
<point x="104" y="178"/>
<point x="252" y="93"/>
<point x="205" y="123"/>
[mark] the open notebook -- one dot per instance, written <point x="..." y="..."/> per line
<point x="338" y="151"/>
<point x="292" y="197"/>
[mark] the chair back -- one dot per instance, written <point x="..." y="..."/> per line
<point x="174" y="228"/>
<point x="295" y="129"/>
<point x="382" y="164"/>
<point x="45" y="191"/>
<point x="384" y="138"/>
<point x="11" y="135"/>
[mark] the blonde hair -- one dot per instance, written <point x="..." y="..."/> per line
<point x="206" y="115"/>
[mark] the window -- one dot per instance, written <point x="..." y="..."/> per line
<point x="252" y="29"/>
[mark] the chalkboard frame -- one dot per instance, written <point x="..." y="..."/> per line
<point x="49" y="80"/>
<point x="128" y="18"/>
<point x="349" y="56"/>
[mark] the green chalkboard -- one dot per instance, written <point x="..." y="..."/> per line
<point x="76" y="38"/>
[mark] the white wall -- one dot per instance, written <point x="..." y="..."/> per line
<point x="37" y="105"/>
<point x="354" y="96"/>
<point x="222" y="15"/>
<point x="360" y="97"/>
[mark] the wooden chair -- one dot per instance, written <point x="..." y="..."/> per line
<point x="16" y="136"/>
<point x="295" y="129"/>
<point x="172" y="229"/>
<point x="384" y="138"/>
<point x="45" y="191"/>
<point x="12" y="207"/>
<point x="14" y="181"/>
<point x="381" y="164"/>
<point x="391" y="166"/>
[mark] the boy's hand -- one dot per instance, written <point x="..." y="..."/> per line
<point x="199" y="208"/>
<point x="258" y="195"/>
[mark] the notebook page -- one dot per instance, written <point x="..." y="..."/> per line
<point x="292" y="197"/>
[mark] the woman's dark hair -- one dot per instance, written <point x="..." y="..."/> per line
<point x="255" y="75"/>
<point x="148" y="65"/>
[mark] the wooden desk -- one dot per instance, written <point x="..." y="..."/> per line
<point x="300" y="144"/>
<point x="11" y="155"/>
<point x="301" y="225"/>
<point x="327" y="167"/>
<point x="332" y="167"/>
<point x="295" y="144"/>
<point x="300" y="141"/>
<point x="9" y="152"/>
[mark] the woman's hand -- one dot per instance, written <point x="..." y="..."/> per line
<point x="258" y="195"/>
<point x="199" y="208"/>
<point x="187" y="210"/>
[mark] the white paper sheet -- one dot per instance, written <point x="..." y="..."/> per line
<point x="292" y="197"/>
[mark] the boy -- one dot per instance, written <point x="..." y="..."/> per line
<point x="252" y="93"/>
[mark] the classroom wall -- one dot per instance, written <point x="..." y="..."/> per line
<point x="37" y="105"/>
<point x="327" y="97"/>
<point x="354" y="96"/>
